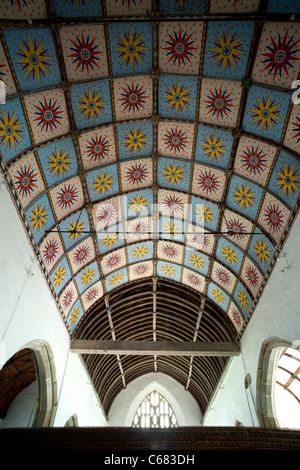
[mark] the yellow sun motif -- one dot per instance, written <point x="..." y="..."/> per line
<point x="87" y="276"/>
<point x="91" y="105"/>
<point x="288" y="180"/>
<point x="59" y="275"/>
<point x="177" y="97"/>
<point x="170" y="228"/>
<point x="74" y="315"/>
<point x="38" y="218"/>
<point x="244" y="196"/>
<point x="229" y="254"/>
<point x="103" y="183"/>
<point x="109" y="240"/>
<point x="140" y="251"/>
<point x="75" y="229"/>
<point x="218" y="296"/>
<point x="173" y="174"/>
<point x="214" y="148"/>
<point x="10" y="129"/>
<point x="116" y="279"/>
<point x="204" y="213"/>
<point x="168" y="270"/>
<point x="261" y="251"/>
<point x="135" y="140"/>
<point x="59" y="162"/>
<point x="138" y="204"/>
<point x="242" y="298"/>
<point x="33" y="59"/>
<point x="131" y="49"/>
<point x="265" y="113"/>
<point x="227" y="50"/>
<point x="197" y="261"/>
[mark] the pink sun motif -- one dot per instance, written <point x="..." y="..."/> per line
<point x="25" y="181"/>
<point x="208" y="182"/>
<point x="81" y="254"/>
<point x="200" y="239"/>
<point x="219" y="103"/>
<point x="137" y="174"/>
<point x="140" y="228"/>
<point x="67" y="196"/>
<point x="174" y="204"/>
<point x="106" y="213"/>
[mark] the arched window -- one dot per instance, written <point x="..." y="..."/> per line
<point x="154" y="412"/>
<point x="287" y="389"/>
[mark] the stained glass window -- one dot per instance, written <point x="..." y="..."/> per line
<point x="154" y="412"/>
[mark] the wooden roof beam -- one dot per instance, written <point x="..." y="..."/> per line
<point x="150" y="348"/>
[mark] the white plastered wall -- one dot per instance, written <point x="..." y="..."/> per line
<point x="277" y="314"/>
<point x="126" y="403"/>
<point x="28" y="313"/>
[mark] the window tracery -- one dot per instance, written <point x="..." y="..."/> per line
<point x="154" y="412"/>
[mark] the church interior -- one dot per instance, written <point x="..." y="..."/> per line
<point x="150" y="234"/>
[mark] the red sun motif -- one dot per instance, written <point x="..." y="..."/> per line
<point x="281" y="55"/>
<point x="48" y="115"/>
<point x="81" y="254"/>
<point x="175" y="140"/>
<point x="85" y="53"/>
<point x="254" y="160"/>
<point x="137" y="174"/>
<point x="208" y="182"/>
<point x="98" y="148"/>
<point x="274" y="217"/>
<point x="179" y="48"/>
<point x="25" y="181"/>
<point x="219" y="103"/>
<point x="67" y="196"/>
<point x="133" y="98"/>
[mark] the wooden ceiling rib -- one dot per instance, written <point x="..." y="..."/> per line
<point x="17" y="374"/>
<point x="196" y="304"/>
<point x="177" y="311"/>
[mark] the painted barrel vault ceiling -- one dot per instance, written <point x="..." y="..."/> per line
<point x="152" y="151"/>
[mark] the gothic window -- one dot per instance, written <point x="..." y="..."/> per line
<point x="287" y="389"/>
<point x="154" y="412"/>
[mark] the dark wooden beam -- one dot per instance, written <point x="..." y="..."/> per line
<point x="150" y="348"/>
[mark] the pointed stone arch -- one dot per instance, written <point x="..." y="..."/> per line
<point x="46" y="383"/>
<point x="269" y="355"/>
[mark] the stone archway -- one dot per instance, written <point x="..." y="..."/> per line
<point x="268" y="359"/>
<point x="46" y="383"/>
